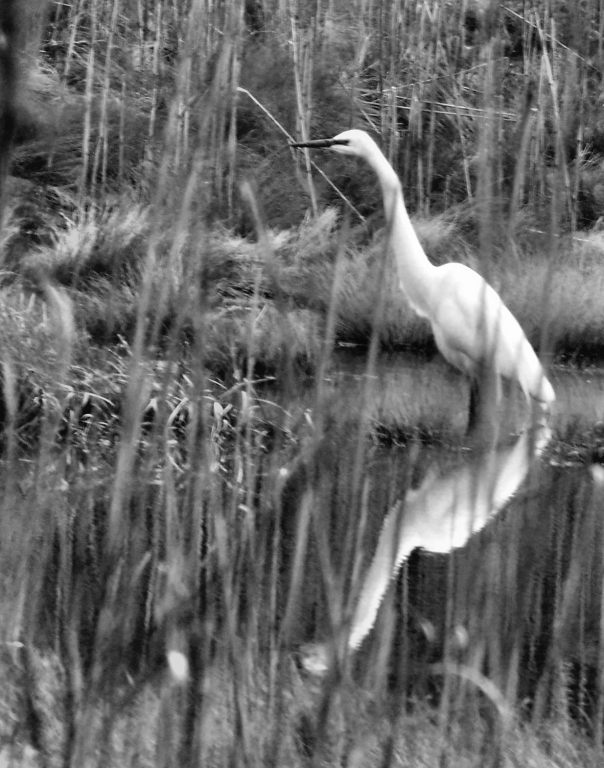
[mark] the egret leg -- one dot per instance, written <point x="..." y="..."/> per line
<point x="483" y="417"/>
<point x="474" y="407"/>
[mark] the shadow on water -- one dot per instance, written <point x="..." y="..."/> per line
<point x="486" y="559"/>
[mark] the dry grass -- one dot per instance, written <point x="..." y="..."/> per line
<point x="359" y="731"/>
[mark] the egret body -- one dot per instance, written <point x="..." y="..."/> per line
<point x="473" y="329"/>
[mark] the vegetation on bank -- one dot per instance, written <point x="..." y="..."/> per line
<point x="286" y="285"/>
<point x="172" y="272"/>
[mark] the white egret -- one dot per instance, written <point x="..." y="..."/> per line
<point x="473" y="329"/>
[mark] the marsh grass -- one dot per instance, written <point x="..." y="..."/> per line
<point x="99" y="259"/>
<point x="175" y="524"/>
<point x="417" y="740"/>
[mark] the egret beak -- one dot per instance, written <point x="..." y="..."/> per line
<point x="318" y="143"/>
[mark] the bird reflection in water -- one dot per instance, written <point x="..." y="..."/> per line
<point x="439" y="517"/>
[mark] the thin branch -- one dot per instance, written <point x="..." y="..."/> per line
<point x="314" y="165"/>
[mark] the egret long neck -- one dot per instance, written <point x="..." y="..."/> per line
<point x="414" y="269"/>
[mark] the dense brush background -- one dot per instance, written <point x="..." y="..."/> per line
<point x="179" y="481"/>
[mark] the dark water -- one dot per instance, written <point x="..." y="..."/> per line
<point x="406" y="387"/>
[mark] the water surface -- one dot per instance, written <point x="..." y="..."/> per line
<point x="533" y="564"/>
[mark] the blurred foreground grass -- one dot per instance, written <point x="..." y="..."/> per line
<point x="245" y="721"/>
<point x="162" y="500"/>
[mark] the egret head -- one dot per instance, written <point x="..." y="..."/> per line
<point x="353" y="142"/>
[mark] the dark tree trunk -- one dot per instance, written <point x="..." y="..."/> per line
<point x="10" y="26"/>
